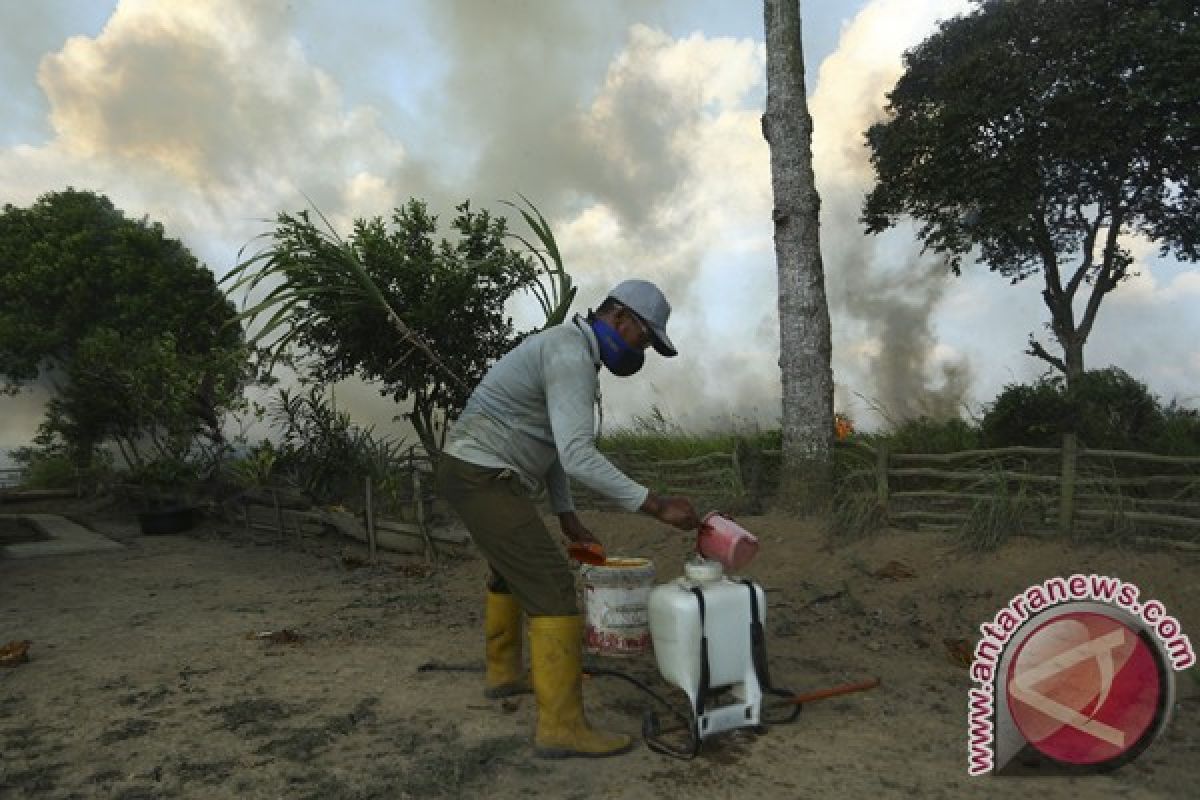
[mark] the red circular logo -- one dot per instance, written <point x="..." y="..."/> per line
<point x="1084" y="688"/>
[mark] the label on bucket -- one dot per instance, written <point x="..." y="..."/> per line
<point x="617" y="620"/>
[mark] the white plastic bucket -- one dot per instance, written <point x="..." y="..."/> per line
<point x="615" y="597"/>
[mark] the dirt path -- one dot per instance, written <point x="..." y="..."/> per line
<point x="143" y="683"/>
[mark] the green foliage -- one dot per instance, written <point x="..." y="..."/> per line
<point x="45" y="468"/>
<point x="854" y="515"/>
<point x="997" y="516"/>
<point x="1034" y="131"/>
<point x="368" y="305"/>
<point x="1107" y="408"/>
<point x="855" y="512"/>
<point x="927" y="435"/>
<point x="1010" y="121"/>
<point x="1030" y="415"/>
<point x="1180" y="433"/>
<point x="321" y="451"/>
<point x="47" y="464"/>
<point x="132" y="329"/>
<point x="256" y="469"/>
<point x="660" y="438"/>
<point x="556" y="297"/>
<point x="167" y="478"/>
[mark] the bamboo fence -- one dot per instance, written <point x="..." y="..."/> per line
<point x="395" y="514"/>
<point x="1068" y="490"/>
<point x="713" y="478"/>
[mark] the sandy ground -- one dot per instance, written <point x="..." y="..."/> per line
<point x="142" y="682"/>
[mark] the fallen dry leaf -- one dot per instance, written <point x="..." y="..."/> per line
<point x="14" y="653"/>
<point x="895" y="571"/>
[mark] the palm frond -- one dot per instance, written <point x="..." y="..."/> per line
<point x="556" y="298"/>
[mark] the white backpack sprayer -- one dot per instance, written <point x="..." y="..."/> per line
<point x="708" y="637"/>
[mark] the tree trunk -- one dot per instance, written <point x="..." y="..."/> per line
<point x="804" y="333"/>
<point x="423" y="422"/>
<point x="1073" y="356"/>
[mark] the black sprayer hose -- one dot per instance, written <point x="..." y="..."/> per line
<point x="651" y="729"/>
<point x="650" y="724"/>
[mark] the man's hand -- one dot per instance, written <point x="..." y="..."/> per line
<point x="574" y="529"/>
<point x="675" y="511"/>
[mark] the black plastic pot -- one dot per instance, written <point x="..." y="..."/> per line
<point x="167" y="520"/>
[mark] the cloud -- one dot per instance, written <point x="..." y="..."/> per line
<point x="649" y="162"/>
<point x="642" y="148"/>
<point x="209" y="117"/>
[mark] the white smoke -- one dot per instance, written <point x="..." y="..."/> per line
<point x="642" y="148"/>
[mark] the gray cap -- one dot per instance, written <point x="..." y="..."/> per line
<point x="647" y="301"/>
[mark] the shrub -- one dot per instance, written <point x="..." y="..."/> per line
<point x="1030" y="415"/>
<point x="46" y="470"/>
<point x="1001" y="513"/>
<point x="929" y="435"/>
<point x="322" y="452"/>
<point x="1180" y="432"/>
<point x="1107" y="408"/>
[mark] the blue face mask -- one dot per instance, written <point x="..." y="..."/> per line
<point x="615" y="352"/>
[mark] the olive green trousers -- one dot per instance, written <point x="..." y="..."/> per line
<point x="505" y="525"/>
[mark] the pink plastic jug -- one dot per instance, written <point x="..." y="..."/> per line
<point x="722" y="539"/>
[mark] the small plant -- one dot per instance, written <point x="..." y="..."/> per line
<point x="49" y="465"/>
<point x="44" y="470"/>
<point x="1116" y="527"/>
<point x="996" y="516"/>
<point x="322" y="452"/>
<point x="855" y="515"/>
<point x="257" y="468"/>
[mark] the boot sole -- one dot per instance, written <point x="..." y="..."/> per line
<point x="557" y="753"/>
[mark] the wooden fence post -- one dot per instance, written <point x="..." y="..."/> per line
<point x="881" y="475"/>
<point x="431" y="552"/>
<point x="1066" y="496"/>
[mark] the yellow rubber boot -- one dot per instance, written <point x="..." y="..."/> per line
<point x="502" y="648"/>
<point x="556" y="652"/>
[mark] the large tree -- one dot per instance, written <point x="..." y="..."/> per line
<point x="422" y="316"/>
<point x="1041" y="132"/>
<point x="123" y="321"/>
<point x="804" y="331"/>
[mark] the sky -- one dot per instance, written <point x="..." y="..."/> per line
<point x="632" y="124"/>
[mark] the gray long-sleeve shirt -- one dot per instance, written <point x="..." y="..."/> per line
<point x="533" y="413"/>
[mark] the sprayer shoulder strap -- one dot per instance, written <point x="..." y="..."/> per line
<point x="705" y="674"/>
<point x="758" y="638"/>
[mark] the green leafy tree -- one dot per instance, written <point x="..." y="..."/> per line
<point x="393" y="303"/>
<point x="1040" y="132"/>
<point x="129" y="327"/>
